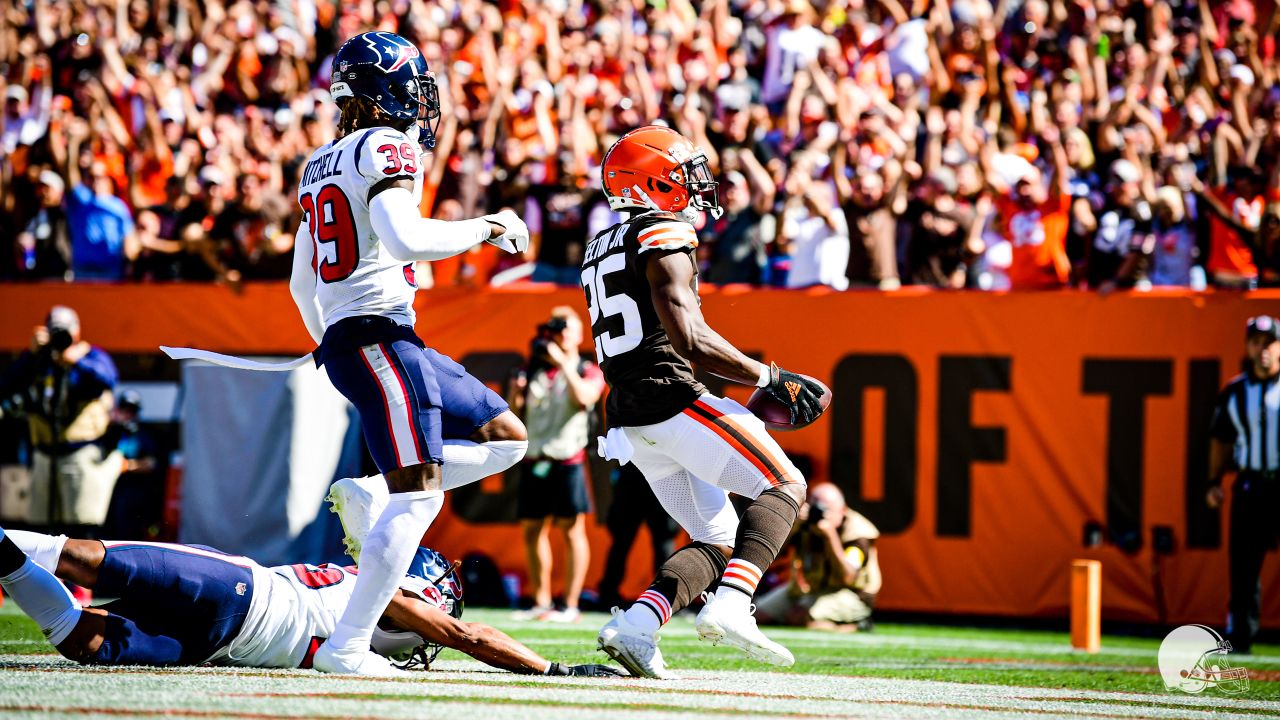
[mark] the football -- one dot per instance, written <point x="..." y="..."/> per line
<point x="778" y="416"/>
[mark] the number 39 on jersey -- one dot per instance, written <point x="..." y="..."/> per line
<point x="355" y="275"/>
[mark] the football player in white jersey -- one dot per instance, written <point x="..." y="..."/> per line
<point x="428" y="424"/>
<point x="192" y="605"/>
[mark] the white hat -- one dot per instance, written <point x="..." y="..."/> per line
<point x="52" y="179"/>
<point x="212" y="175"/>
<point x="16" y="92"/>
<point x="170" y="115"/>
<point x="1125" y="171"/>
<point x="1241" y="73"/>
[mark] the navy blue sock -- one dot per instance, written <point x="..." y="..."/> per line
<point x="124" y="643"/>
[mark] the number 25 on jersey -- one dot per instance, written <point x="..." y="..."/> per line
<point x="603" y="305"/>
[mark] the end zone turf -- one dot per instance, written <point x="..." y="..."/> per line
<point x="898" y="671"/>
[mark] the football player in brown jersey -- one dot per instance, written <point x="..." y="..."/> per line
<point x="694" y="448"/>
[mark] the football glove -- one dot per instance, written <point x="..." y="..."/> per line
<point x="516" y="239"/>
<point x="797" y="392"/>
<point x="585" y="670"/>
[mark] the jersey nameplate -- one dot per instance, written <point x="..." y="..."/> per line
<point x="601" y="245"/>
<point x="326" y="166"/>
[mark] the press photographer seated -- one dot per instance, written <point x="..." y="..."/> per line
<point x="63" y="387"/>
<point x="835" y="570"/>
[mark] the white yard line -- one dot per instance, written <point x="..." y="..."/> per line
<point x="469" y="687"/>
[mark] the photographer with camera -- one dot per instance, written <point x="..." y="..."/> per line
<point x="835" y="570"/>
<point x="63" y="387"/>
<point x="554" y="395"/>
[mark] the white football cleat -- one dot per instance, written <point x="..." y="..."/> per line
<point x="634" y="649"/>
<point x="367" y="663"/>
<point x="358" y="503"/>
<point x="718" y="624"/>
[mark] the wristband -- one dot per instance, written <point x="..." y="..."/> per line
<point x="766" y="376"/>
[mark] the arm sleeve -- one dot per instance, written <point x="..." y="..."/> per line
<point x="302" y="283"/>
<point x="408" y="236"/>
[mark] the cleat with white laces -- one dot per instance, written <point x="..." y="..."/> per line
<point x="358" y="503"/>
<point x="366" y="663"/>
<point x="718" y="624"/>
<point x="632" y="648"/>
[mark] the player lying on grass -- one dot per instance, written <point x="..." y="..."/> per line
<point x="190" y="605"/>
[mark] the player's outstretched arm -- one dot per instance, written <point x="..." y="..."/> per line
<point x="671" y="284"/>
<point x="671" y="281"/>
<point x="486" y="644"/>
<point x="302" y="283"/>
<point x="408" y="236"/>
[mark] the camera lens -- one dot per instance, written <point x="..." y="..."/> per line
<point x="59" y="339"/>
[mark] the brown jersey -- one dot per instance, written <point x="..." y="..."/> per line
<point x="649" y="381"/>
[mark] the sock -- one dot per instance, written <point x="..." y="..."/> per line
<point x="466" y="462"/>
<point x="649" y="612"/>
<point x="387" y="552"/>
<point x="763" y="529"/>
<point x="684" y="575"/>
<point x="44" y="550"/>
<point x="738" y="584"/>
<point x="39" y="594"/>
<point x="124" y="643"/>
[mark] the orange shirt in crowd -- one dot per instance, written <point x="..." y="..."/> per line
<point x="115" y="165"/>
<point x="1227" y="252"/>
<point x="153" y="174"/>
<point x="1039" y="239"/>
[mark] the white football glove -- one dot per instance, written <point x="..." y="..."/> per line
<point x="516" y="239"/>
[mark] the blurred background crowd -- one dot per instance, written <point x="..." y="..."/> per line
<point x="859" y="143"/>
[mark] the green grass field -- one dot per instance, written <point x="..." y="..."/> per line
<point x="896" y="671"/>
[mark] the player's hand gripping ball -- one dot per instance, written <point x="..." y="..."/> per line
<point x="790" y="401"/>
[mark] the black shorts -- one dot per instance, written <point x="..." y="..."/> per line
<point x="551" y="488"/>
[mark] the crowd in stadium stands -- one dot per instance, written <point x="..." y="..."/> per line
<point x="859" y="143"/>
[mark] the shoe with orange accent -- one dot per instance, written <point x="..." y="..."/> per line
<point x="718" y="624"/>
<point x="634" y="649"/>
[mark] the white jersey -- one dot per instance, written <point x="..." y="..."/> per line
<point x="353" y="272"/>
<point x="292" y="610"/>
